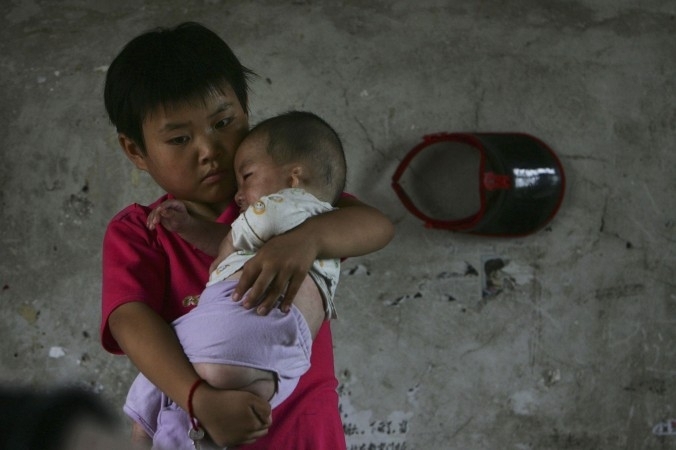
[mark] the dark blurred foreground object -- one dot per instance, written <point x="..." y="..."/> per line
<point x="498" y="184"/>
<point x="63" y="418"/>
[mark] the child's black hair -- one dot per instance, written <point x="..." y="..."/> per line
<point x="169" y="66"/>
<point x="300" y="136"/>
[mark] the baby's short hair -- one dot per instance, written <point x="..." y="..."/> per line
<point x="300" y="136"/>
<point x="169" y="66"/>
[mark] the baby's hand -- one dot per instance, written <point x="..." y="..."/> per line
<point x="172" y="214"/>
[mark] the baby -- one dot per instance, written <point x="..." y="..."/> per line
<point x="288" y="168"/>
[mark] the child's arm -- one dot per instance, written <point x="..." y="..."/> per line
<point x="230" y="417"/>
<point x="280" y="266"/>
<point x="205" y="235"/>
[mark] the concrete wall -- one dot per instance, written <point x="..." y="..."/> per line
<point x="577" y="350"/>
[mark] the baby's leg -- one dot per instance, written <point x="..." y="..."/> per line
<point x="224" y="376"/>
<point x="139" y="437"/>
<point x="309" y="301"/>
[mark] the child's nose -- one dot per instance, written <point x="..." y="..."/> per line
<point x="209" y="148"/>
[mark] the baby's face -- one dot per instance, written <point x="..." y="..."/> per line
<point x="257" y="173"/>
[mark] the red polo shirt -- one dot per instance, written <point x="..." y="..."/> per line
<point x="160" y="269"/>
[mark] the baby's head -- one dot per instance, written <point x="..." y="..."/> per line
<point x="295" y="149"/>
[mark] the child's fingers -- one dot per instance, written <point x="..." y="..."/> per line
<point x="291" y="291"/>
<point x="262" y="290"/>
<point x="245" y="283"/>
<point x="277" y="292"/>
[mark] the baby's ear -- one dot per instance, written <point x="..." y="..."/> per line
<point x="296" y="177"/>
<point x="133" y="151"/>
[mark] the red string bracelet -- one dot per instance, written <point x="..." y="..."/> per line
<point x="193" y="419"/>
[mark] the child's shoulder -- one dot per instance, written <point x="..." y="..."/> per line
<point x="137" y="211"/>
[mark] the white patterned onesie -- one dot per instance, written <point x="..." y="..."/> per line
<point x="272" y="215"/>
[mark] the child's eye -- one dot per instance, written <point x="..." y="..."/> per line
<point x="223" y="122"/>
<point x="180" y="140"/>
<point x="246" y="175"/>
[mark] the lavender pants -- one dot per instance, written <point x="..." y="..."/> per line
<point x="221" y="331"/>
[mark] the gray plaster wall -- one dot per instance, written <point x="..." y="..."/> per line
<point x="577" y="350"/>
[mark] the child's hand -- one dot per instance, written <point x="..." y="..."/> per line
<point x="276" y="272"/>
<point x="172" y="214"/>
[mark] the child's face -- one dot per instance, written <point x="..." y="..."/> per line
<point x="257" y="173"/>
<point x="190" y="147"/>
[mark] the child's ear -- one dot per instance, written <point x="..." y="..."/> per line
<point x="296" y="177"/>
<point x="133" y="151"/>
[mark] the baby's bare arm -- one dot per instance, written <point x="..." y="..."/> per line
<point x="139" y="437"/>
<point x="226" y="247"/>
